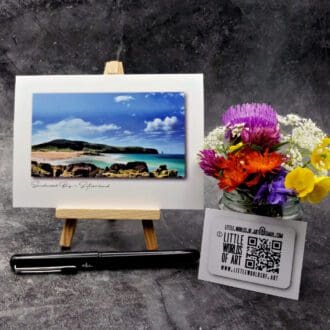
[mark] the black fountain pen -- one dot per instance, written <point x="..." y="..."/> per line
<point x="72" y="262"/>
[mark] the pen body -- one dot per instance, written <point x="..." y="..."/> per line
<point x="71" y="262"/>
<point x="147" y="259"/>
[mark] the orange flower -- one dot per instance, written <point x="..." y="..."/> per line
<point x="247" y="164"/>
<point x="263" y="163"/>
<point x="231" y="179"/>
<point x="233" y="171"/>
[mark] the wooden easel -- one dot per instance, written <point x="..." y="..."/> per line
<point x="70" y="216"/>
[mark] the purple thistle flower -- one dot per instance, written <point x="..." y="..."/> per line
<point x="274" y="192"/>
<point x="209" y="162"/>
<point x="259" y="120"/>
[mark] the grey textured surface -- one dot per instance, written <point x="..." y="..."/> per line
<point x="252" y="50"/>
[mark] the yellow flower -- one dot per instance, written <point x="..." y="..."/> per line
<point x="235" y="147"/>
<point x="301" y="180"/>
<point x="320" y="191"/>
<point x="320" y="157"/>
<point x="326" y="141"/>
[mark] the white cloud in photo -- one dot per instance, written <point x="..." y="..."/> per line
<point x="157" y="125"/>
<point x="37" y="123"/>
<point x="123" y="98"/>
<point x="81" y="126"/>
<point x="127" y="132"/>
<point x="72" y="128"/>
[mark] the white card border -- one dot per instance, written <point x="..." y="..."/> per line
<point x="299" y="226"/>
<point x="124" y="194"/>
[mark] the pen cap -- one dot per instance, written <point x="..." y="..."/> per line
<point x="52" y="259"/>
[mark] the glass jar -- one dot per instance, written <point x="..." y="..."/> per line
<point x="242" y="201"/>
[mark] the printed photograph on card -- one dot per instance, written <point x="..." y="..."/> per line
<point x="108" y="135"/>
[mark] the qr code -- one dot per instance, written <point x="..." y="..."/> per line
<point x="263" y="254"/>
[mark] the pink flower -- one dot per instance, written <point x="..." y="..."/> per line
<point x="209" y="162"/>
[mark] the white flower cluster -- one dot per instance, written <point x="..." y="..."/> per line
<point x="289" y="120"/>
<point x="305" y="134"/>
<point x="295" y="158"/>
<point x="215" y="140"/>
<point x="237" y="129"/>
<point x="302" y="140"/>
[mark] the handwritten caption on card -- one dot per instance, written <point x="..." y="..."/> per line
<point x="66" y="185"/>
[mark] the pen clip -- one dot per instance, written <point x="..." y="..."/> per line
<point x="42" y="270"/>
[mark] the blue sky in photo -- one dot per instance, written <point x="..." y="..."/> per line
<point x="153" y="120"/>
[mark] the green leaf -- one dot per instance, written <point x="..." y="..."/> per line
<point x="277" y="146"/>
<point x="256" y="147"/>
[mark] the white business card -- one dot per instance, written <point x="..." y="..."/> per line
<point x="253" y="252"/>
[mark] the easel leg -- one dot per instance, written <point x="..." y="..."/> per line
<point x="68" y="230"/>
<point x="149" y="235"/>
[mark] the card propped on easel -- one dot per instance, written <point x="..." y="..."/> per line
<point x="119" y="143"/>
<point x="100" y="141"/>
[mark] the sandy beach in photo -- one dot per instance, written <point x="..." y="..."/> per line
<point x="55" y="155"/>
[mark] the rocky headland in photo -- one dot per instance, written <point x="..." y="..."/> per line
<point x="87" y="148"/>
<point x="86" y="170"/>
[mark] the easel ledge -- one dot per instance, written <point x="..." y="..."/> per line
<point x="108" y="214"/>
<point x="71" y="215"/>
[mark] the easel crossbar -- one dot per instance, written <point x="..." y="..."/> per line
<point x="107" y="214"/>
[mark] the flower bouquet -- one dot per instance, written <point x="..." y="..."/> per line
<point x="266" y="163"/>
